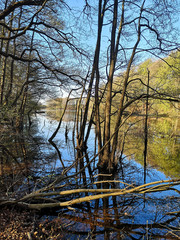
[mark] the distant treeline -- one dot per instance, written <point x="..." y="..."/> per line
<point x="164" y="83"/>
<point x="59" y="103"/>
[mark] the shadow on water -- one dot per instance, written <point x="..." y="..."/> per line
<point x="16" y="155"/>
<point x="29" y="162"/>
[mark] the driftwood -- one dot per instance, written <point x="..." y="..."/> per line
<point x="47" y="197"/>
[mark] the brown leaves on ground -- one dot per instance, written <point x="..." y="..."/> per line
<point x="17" y="225"/>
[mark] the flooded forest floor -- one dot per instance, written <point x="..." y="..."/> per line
<point x="45" y="193"/>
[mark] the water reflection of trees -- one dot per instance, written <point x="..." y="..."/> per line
<point x="163" y="142"/>
<point x="19" y="153"/>
<point x="163" y="146"/>
<point x="110" y="227"/>
<point x="114" y="217"/>
<point x="118" y="220"/>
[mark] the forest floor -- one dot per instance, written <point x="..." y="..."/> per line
<point x="26" y="225"/>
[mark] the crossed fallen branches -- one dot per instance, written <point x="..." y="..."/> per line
<point x="47" y="197"/>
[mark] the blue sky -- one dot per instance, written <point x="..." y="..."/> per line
<point x="86" y="31"/>
<point x="86" y="36"/>
<point x="79" y="5"/>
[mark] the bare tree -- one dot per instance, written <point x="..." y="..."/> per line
<point x="33" y="45"/>
<point x="136" y="31"/>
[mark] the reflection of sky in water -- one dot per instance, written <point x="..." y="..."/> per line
<point x="140" y="211"/>
<point x="132" y="170"/>
<point x="46" y="128"/>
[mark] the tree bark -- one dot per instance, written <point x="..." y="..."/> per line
<point x="120" y="111"/>
<point x="146" y="129"/>
<point x="94" y="69"/>
<point x="106" y="161"/>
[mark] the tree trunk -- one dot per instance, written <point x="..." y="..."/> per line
<point x="120" y="111"/>
<point x="146" y="130"/>
<point x="4" y="62"/>
<point x="80" y="137"/>
<point x="25" y="93"/>
<point x="106" y="161"/>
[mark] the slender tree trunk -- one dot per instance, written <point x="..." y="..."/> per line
<point x="106" y="155"/>
<point x="81" y="134"/>
<point x="106" y="161"/>
<point x="97" y="113"/>
<point x="120" y="111"/>
<point x="21" y="110"/>
<point x="10" y="86"/>
<point x="2" y="33"/>
<point x="97" y="100"/>
<point x="146" y="130"/>
<point x="4" y="63"/>
<point x="60" y="120"/>
<point x="9" y="90"/>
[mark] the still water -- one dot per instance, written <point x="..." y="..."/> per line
<point x="163" y="144"/>
<point x="130" y="217"/>
<point x="135" y="216"/>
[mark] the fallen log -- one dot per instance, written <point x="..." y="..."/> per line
<point x="44" y="202"/>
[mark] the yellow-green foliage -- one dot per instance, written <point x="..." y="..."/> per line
<point x="164" y="78"/>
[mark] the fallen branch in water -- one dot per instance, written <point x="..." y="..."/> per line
<point x="173" y="213"/>
<point x="42" y="196"/>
